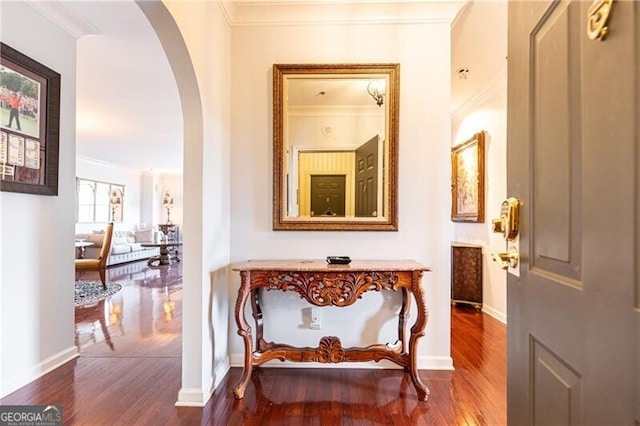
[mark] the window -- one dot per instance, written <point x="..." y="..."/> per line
<point x="98" y="201"/>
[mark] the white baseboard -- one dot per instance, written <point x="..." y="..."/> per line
<point x="435" y="363"/>
<point x="500" y="316"/>
<point x="40" y="370"/>
<point x="220" y="372"/>
<point x="194" y="397"/>
<point x="424" y="363"/>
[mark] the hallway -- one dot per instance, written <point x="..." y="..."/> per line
<point x="132" y="374"/>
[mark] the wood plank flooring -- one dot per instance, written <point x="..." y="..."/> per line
<point x="129" y="369"/>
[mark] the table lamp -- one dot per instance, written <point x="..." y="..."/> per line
<point x="167" y="202"/>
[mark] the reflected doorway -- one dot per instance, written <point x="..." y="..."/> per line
<point x="328" y="195"/>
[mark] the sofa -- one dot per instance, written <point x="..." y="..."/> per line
<point x="126" y="246"/>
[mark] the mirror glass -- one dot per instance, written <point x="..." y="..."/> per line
<point x="335" y="146"/>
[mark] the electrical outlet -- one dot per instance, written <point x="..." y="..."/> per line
<point x="315" y="319"/>
<point x="315" y="314"/>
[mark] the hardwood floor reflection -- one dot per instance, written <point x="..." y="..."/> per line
<point x="129" y="373"/>
<point x="143" y="319"/>
<point x="473" y="394"/>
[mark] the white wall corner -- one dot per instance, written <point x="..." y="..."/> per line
<point x="498" y="80"/>
<point x="192" y="397"/>
<point x="40" y="370"/>
<point x="220" y="372"/>
<point x="500" y="316"/>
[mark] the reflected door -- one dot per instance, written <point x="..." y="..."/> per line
<point x="367" y="178"/>
<point x="328" y="195"/>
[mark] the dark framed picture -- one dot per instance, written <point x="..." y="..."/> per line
<point x="29" y="124"/>
<point x="467" y="180"/>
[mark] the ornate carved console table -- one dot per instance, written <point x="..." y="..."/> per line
<point x="323" y="285"/>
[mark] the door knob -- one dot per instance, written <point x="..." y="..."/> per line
<point x="507" y="260"/>
<point x="509" y="221"/>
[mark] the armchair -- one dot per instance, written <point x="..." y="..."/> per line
<point x="99" y="264"/>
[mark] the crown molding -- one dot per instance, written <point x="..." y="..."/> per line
<point x="60" y="15"/>
<point x="228" y="8"/>
<point x="339" y="12"/>
<point x="144" y="171"/>
<point x="460" y="13"/>
<point x="98" y="162"/>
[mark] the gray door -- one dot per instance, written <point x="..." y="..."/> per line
<point x="367" y="178"/>
<point x="573" y="144"/>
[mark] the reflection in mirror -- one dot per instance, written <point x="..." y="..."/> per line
<point x="335" y="146"/>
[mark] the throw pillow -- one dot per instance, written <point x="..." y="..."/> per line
<point x="96" y="239"/>
<point x="145" y="236"/>
<point x="118" y="241"/>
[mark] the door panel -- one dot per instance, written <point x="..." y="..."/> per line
<point x="556" y="142"/>
<point x="367" y="178"/>
<point x="573" y="317"/>
<point x="558" y="389"/>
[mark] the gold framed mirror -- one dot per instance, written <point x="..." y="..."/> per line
<point x="335" y="147"/>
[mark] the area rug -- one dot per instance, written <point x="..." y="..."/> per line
<point x="92" y="291"/>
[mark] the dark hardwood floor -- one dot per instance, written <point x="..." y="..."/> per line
<point x="128" y="373"/>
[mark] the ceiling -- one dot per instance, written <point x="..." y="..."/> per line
<point x="128" y="106"/>
<point x="330" y="91"/>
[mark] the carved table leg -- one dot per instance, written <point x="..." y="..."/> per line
<point x="245" y="331"/>
<point x="402" y="320"/>
<point x="417" y="331"/>
<point x="256" y="311"/>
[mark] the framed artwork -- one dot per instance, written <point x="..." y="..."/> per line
<point x="467" y="180"/>
<point x="29" y="124"/>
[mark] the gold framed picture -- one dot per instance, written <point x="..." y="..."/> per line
<point x="467" y="180"/>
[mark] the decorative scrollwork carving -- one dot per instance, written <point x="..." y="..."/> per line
<point x="330" y="350"/>
<point x="324" y="289"/>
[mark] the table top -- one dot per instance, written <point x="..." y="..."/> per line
<point x="319" y="265"/>
<point x="167" y="244"/>
<point x="80" y="244"/>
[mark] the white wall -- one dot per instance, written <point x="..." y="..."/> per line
<point x="488" y="114"/>
<point x="37" y="231"/>
<point x="484" y="107"/>
<point x="423" y="51"/>
<point x="149" y="199"/>
<point x="131" y="179"/>
<point x="206" y="212"/>
<point x="144" y="192"/>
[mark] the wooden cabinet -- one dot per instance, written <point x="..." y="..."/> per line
<point x="466" y="274"/>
